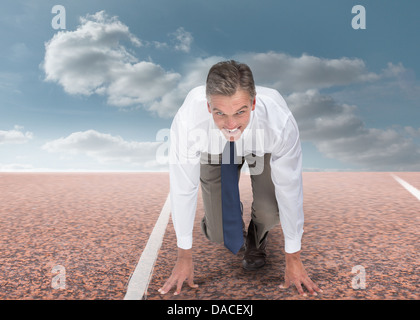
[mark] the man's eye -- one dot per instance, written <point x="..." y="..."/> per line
<point x="219" y="113"/>
<point x="241" y="112"/>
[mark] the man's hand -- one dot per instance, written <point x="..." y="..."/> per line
<point x="183" y="270"/>
<point x="295" y="274"/>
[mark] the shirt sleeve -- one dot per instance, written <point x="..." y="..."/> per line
<point x="184" y="174"/>
<point x="286" y="171"/>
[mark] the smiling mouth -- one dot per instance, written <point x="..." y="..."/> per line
<point x="233" y="130"/>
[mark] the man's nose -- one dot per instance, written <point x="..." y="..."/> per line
<point x="231" y="123"/>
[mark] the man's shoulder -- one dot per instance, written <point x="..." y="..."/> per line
<point x="196" y="96"/>
<point x="270" y="93"/>
<point x="272" y="110"/>
<point x="197" y="93"/>
<point x="193" y="111"/>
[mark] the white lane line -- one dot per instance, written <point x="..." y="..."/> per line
<point x="415" y="192"/>
<point x="141" y="276"/>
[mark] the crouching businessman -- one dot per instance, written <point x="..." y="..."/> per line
<point x="219" y="127"/>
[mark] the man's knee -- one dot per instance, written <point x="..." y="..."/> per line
<point x="265" y="211"/>
<point x="211" y="233"/>
<point x="269" y="219"/>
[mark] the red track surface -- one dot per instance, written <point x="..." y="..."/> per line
<point x="96" y="226"/>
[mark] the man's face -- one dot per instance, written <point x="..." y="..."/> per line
<point x="231" y="114"/>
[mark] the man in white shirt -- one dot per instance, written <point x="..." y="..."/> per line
<point x="257" y="124"/>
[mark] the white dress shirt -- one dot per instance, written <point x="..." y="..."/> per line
<point x="271" y="129"/>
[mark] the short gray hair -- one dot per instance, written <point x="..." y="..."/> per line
<point x="226" y="77"/>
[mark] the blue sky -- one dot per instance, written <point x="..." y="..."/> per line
<point x="100" y="94"/>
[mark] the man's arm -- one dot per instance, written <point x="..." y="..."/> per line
<point x="184" y="173"/>
<point x="286" y="173"/>
<point x="184" y="178"/>
<point x="286" y="169"/>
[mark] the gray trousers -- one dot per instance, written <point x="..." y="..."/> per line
<point x="264" y="210"/>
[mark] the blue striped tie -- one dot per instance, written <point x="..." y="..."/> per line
<point x="231" y="206"/>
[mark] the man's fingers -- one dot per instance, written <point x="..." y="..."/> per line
<point x="308" y="283"/>
<point x="298" y="284"/>
<point x="172" y="282"/>
<point x="178" y="287"/>
<point x="166" y="287"/>
<point x="316" y="288"/>
<point x="191" y="283"/>
<point x="300" y="289"/>
<point x="285" y="284"/>
<point x="312" y="287"/>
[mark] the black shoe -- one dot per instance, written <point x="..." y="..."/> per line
<point x="254" y="257"/>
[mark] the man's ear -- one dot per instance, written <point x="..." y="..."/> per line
<point x="208" y="107"/>
<point x="253" y="103"/>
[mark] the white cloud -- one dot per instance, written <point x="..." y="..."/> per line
<point x="403" y="79"/>
<point x="93" y="60"/>
<point x="413" y="132"/>
<point x="182" y="39"/>
<point x="143" y="82"/>
<point x="290" y="74"/>
<point x="15" y="136"/>
<point x="339" y="133"/>
<point x="320" y="117"/>
<point x="195" y="74"/>
<point x="375" y="149"/>
<point x="106" y="148"/>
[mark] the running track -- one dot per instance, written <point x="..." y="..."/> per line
<point x="73" y="236"/>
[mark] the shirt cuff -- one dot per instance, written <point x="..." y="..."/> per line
<point x="292" y="246"/>
<point x="184" y="242"/>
